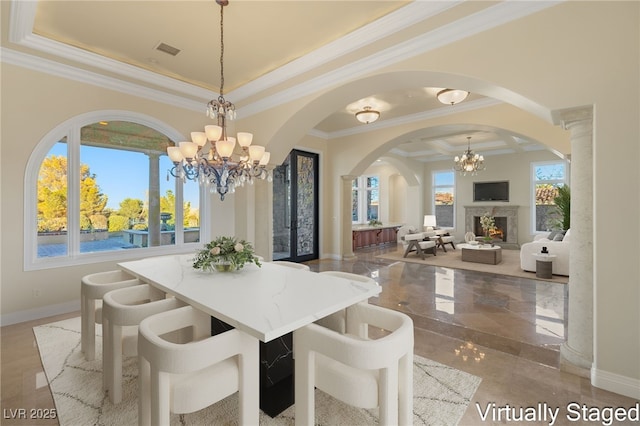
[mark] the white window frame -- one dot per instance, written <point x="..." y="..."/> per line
<point x="434" y="189"/>
<point x="363" y="190"/>
<point x="533" y="183"/>
<point x="71" y="129"/>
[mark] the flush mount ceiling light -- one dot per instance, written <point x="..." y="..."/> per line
<point x="208" y="158"/>
<point x="452" y="96"/>
<point x="367" y="115"/>
<point x="469" y="162"/>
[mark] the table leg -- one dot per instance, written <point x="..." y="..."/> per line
<point x="276" y="370"/>
<point x="413" y="244"/>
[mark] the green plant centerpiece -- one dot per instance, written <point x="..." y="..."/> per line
<point x="488" y="224"/>
<point x="225" y="254"/>
<point x="375" y="222"/>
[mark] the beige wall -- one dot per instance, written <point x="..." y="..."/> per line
<point x="574" y="54"/>
<point x="515" y="168"/>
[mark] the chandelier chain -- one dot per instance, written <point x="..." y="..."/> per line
<point x="221" y="50"/>
<point x="209" y="157"/>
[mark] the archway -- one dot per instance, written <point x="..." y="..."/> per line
<point x="534" y="121"/>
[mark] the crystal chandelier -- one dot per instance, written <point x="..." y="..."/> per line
<point x="469" y="162"/>
<point x="208" y="158"/>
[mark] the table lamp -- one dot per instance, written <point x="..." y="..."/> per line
<point x="429" y="222"/>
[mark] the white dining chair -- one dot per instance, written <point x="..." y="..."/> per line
<point x="92" y="288"/>
<point x="123" y="309"/>
<point x="338" y="320"/>
<point x="187" y="376"/>
<point x="359" y="372"/>
<point x="289" y="264"/>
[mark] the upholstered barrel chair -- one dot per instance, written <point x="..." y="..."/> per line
<point x="356" y="370"/>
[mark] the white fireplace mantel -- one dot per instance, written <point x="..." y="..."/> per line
<point x="508" y="211"/>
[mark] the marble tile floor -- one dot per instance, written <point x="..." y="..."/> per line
<point x="517" y="324"/>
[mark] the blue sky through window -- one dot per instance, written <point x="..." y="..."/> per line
<point x="119" y="175"/>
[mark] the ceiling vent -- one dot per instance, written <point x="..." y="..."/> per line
<point x="163" y="47"/>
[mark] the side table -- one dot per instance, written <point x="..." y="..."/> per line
<point x="544" y="265"/>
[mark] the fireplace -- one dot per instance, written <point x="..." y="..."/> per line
<point x="501" y="228"/>
<point x="506" y="220"/>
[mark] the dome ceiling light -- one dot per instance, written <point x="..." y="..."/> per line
<point x="452" y="96"/>
<point x="367" y="115"/>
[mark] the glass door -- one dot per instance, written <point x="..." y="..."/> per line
<point x="295" y="208"/>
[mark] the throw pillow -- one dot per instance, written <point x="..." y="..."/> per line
<point x="558" y="237"/>
<point x="552" y="235"/>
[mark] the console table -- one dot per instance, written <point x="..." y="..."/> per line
<point x="364" y="236"/>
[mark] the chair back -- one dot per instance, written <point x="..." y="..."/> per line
<point x="192" y="373"/>
<point x="338" y="320"/>
<point x="123" y="309"/>
<point x="294" y="265"/>
<point x="361" y="372"/>
<point x="92" y="288"/>
<point x="130" y="305"/>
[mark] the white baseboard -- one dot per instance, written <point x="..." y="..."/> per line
<point x="615" y="383"/>
<point x="332" y="256"/>
<point x="37" y="313"/>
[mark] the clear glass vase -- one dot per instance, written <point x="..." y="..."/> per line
<point x="224" y="266"/>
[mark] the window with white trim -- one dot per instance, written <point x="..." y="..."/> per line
<point x="365" y="199"/>
<point x="96" y="189"/>
<point x="546" y="178"/>
<point x="443" y="192"/>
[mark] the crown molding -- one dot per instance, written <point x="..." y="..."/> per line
<point x="21" y="33"/>
<point x="466" y="27"/>
<point x="398" y="20"/>
<point x="23" y="15"/>
<point x="57" y="69"/>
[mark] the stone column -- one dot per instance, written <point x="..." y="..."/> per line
<point x="154" y="200"/>
<point x="577" y="351"/>
<point x="345" y="217"/>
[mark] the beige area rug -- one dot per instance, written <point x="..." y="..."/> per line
<point x="510" y="264"/>
<point x="441" y="393"/>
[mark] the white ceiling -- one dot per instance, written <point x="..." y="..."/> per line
<point x="267" y="44"/>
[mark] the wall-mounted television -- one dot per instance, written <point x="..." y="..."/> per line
<point x="491" y="191"/>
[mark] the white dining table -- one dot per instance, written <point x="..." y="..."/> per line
<point x="265" y="302"/>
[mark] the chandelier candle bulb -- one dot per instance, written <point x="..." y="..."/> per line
<point x="213" y="132"/>
<point x="174" y="154"/>
<point x="256" y="152"/>
<point x="225" y="147"/>
<point x="199" y="138"/>
<point x="265" y="158"/>
<point x="188" y="150"/>
<point x="244" y="139"/>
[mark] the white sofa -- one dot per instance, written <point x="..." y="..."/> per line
<point x="560" y="249"/>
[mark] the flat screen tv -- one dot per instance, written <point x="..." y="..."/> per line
<point x="491" y="191"/>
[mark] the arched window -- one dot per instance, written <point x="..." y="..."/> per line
<point x="97" y="189"/>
